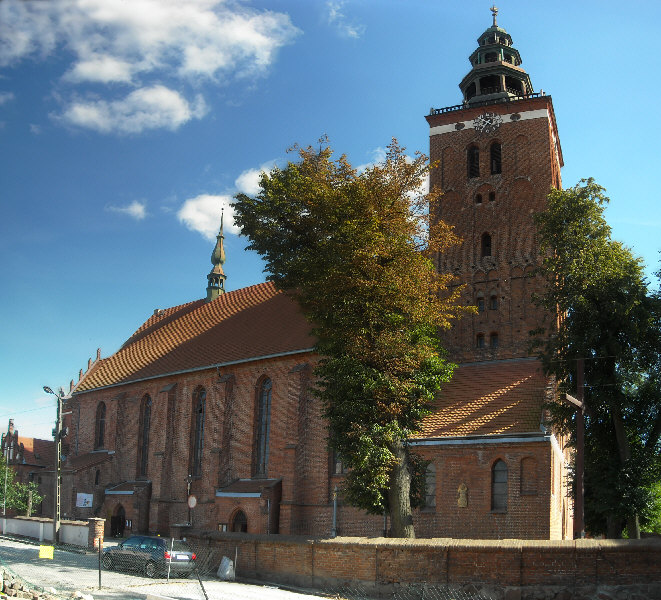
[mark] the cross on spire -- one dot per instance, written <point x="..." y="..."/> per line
<point x="494" y="12"/>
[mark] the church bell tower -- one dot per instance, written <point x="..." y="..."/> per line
<point x="497" y="157"/>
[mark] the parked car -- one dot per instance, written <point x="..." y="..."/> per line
<point x="150" y="555"/>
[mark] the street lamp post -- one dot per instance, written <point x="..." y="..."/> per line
<point x="5" y="444"/>
<point x="57" y="434"/>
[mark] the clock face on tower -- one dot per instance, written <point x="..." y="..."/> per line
<point x="487" y="122"/>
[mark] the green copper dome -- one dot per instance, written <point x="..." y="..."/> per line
<point x="496" y="71"/>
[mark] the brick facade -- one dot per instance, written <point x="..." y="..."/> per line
<point x="296" y="494"/>
<point x="530" y="167"/>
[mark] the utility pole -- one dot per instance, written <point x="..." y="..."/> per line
<point x="57" y="434"/>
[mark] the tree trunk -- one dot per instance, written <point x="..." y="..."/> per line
<point x="399" y="495"/>
<point x="633" y="523"/>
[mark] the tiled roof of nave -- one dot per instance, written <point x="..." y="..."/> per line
<point x="248" y="323"/>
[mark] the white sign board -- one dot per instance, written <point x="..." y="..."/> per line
<point x="84" y="500"/>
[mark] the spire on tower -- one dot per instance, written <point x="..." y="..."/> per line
<point x="496" y="74"/>
<point x="216" y="276"/>
<point x="494" y="12"/>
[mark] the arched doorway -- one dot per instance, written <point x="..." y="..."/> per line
<point x="240" y="522"/>
<point x="117" y="522"/>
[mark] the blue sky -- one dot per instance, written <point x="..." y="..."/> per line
<point x="125" y="125"/>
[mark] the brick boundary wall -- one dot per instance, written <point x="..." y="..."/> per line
<point x="508" y="569"/>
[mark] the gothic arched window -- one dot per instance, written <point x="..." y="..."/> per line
<point x="100" y="425"/>
<point x="499" y="486"/>
<point x="430" y="486"/>
<point x="473" y="162"/>
<point x="143" y="434"/>
<point x="496" y="162"/>
<point x="493" y="340"/>
<point x="199" y="405"/>
<point x="485" y="249"/>
<point x="239" y="522"/>
<point x="262" y="428"/>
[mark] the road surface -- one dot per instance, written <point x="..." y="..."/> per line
<point x="71" y="571"/>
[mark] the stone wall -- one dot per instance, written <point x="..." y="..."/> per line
<point x="512" y="569"/>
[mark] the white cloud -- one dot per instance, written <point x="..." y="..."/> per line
<point x="248" y="181"/>
<point x="136" y="210"/>
<point x="378" y="156"/>
<point x="142" y="44"/>
<point x="28" y="30"/>
<point x="202" y="214"/>
<point x="6" y="97"/>
<point x="337" y="18"/>
<point x="102" y="69"/>
<point x="156" y="107"/>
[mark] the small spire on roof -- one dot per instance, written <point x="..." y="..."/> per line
<point x="494" y="12"/>
<point x="217" y="277"/>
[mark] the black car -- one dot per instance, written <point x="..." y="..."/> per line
<point x="150" y="555"/>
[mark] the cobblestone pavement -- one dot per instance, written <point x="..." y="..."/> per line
<point x="71" y="571"/>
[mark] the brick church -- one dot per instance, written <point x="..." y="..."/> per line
<point x="204" y="417"/>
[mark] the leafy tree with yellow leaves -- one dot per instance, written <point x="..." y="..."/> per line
<point x="356" y="248"/>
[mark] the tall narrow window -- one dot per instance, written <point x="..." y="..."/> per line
<point x="473" y="162"/>
<point x="499" y="486"/>
<point x="100" y="429"/>
<point x="430" y="486"/>
<point x="263" y="427"/>
<point x="493" y="302"/>
<point x="480" y="341"/>
<point x="338" y="466"/>
<point x="145" y="423"/>
<point x="493" y="341"/>
<point x="496" y="166"/>
<point x="199" y="405"/>
<point x="486" y="245"/>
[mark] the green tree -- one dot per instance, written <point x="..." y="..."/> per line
<point x="355" y="249"/>
<point x="18" y="494"/>
<point x="609" y="318"/>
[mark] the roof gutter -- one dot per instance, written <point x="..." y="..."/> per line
<point x="520" y="438"/>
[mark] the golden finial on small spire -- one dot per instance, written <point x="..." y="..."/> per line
<point x="494" y="12"/>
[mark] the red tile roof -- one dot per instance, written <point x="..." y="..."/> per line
<point x="252" y="322"/>
<point x="489" y="398"/>
<point x="39" y="453"/>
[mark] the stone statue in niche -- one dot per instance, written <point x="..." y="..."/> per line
<point x="462" y="496"/>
